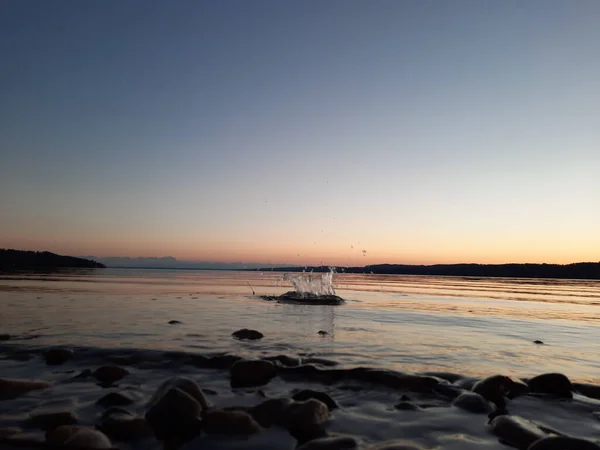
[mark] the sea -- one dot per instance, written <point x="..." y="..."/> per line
<point x="472" y="326"/>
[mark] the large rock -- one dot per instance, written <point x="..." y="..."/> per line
<point x="121" y="425"/>
<point x="57" y="356"/>
<point x="552" y="383"/>
<point x="589" y="390"/>
<point x="185" y="384"/>
<point x="249" y="373"/>
<point x="110" y="374"/>
<point x="472" y="402"/>
<point x="307" y="413"/>
<point x="563" y="443"/>
<point x="60" y="434"/>
<point x="306" y="394"/>
<point x="271" y="411"/>
<point x="245" y="333"/>
<point x="173" y="413"/>
<point x="330" y="443"/>
<point x="516" y="431"/>
<point x="229" y="423"/>
<point x="10" y="388"/>
<point x="494" y="389"/>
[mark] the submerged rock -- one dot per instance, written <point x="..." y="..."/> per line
<point x="174" y="322"/>
<point x="494" y="389"/>
<point x="538" y="342"/>
<point x="249" y="373"/>
<point x="552" y="383"/>
<point x="305" y="298"/>
<point x="57" y="356"/>
<point x="283" y="360"/>
<point x="245" y="333"/>
<point x="229" y="423"/>
<point x="110" y="374"/>
<point x="121" y="425"/>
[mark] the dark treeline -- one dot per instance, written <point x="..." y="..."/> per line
<point x="25" y="260"/>
<point x="583" y="270"/>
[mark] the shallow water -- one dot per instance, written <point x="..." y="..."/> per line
<point x="473" y="326"/>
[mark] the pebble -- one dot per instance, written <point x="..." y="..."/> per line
<point x="174" y="322"/>
<point x="538" y="342"/>
<point x="249" y="373"/>
<point x="245" y="333"/>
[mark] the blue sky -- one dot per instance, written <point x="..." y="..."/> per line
<point x="420" y="131"/>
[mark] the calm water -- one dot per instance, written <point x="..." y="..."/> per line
<point x="476" y="326"/>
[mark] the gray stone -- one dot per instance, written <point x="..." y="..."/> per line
<point x="473" y="402"/>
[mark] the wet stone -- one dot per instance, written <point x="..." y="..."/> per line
<point x="110" y="374"/>
<point x="563" y="443"/>
<point x="51" y="420"/>
<point x="4" y="337"/>
<point x="57" y="356"/>
<point x="88" y="439"/>
<point x="330" y="443"/>
<point x="552" y="383"/>
<point x="174" y="322"/>
<point x="245" y="333"/>
<point x="406" y="406"/>
<point x="121" y="425"/>
<point x="306" y="394"/>
<point x="538" y="342"/>
<point x="115" y="399"/>
<point x="271" y="411"/>
<point x="516" y="431"/>
<point x="11" y="388"/>
<point x="249" y="373"/>
<point x="472" y="402"/>
<point x="229" y="423"/>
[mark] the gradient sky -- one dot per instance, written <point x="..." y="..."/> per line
<point x="300" y="132"/>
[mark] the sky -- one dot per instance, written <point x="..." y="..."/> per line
<point x="302" y="132"/>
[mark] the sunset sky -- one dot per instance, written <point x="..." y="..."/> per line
<point x="302" y="132"/>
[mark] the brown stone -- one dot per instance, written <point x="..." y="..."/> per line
<point x="14" y="388"/>
<point x="249" y="373"/>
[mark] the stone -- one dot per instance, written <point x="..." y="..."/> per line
<point x="60" y="434"/>
<point x="249" y="373"/>
<point x="110" y="374"/>
<point x="283" y="360"/>
<point x="306" y="394"/>
<point x="88" y="439"/>
<point x="563" y="443"/>
<point x="448" y="390"/>
<point x="115" y="399"/>
<point x="229" y="423"/>
<point x="472" y="402"/>
<point x="516" y="431"/>
<point x="185" y="384"/>
<point x="406" y="406"/>
<point x="174" y="322"/>
<point x="538" y="342"/>
<point x="4" y="337"/>
<point x="9" y="431"/>
<point x="330" y="443"/>
<point x="589" y="390"/>
<point x="271" y="411"/>
<point x="173" y="413"/>
<point x="121" y="425"/>
<point x="10" y="388"/>
<point x="57" y="356"/>
<point x="320" y="362"/>
<point x="245" y="333"/>
<point x="306" y="413"/>
<point x="518" y="387"/>
<point x="396" y="445"/>
<point x="551" y="383"/>
<point x="323" y="332"/>
<point x="494" y="389"/>
<point x="51" y="420"/>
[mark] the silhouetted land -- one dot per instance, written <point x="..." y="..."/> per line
<point x="583" y="270"/>
<point x="11" y="260"/>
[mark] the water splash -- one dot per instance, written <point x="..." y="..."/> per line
<point x="312" y="284"/>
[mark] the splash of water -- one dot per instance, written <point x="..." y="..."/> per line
<point x="312" y="284"/>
